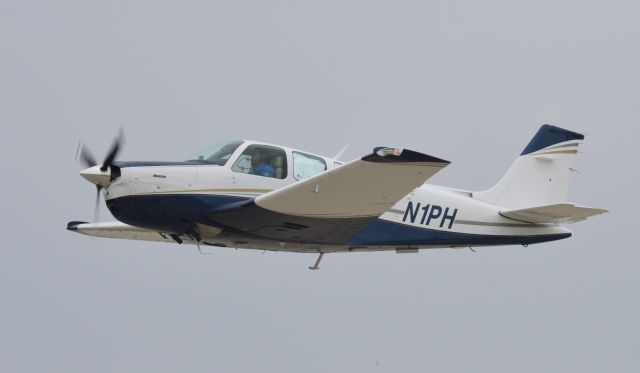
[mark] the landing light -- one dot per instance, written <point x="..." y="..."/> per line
<point x="389" y="151"/>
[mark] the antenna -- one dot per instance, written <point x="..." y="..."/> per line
<point x="340" y="152"/>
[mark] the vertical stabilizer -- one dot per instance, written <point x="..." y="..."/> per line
<point x="540" y="175"/>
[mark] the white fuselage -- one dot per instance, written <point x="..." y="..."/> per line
<point x="438" y="209"/>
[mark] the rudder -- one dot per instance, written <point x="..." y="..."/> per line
<point x="540" y="175"/>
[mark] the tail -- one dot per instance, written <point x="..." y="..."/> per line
<point x="540" y="175"/>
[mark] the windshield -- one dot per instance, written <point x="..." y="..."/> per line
<point x="217" y="154"/>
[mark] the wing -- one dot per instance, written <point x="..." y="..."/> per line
<point x="558" y="213"/>
<point x="119" y="230"/>
<point x="332" y="206"/>
<point x="362" y="188"/>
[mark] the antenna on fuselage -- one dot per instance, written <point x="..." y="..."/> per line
<point x="341" y="152"/>
<point x="195" y="236"/>
<point x="200" y="249"/>
<point x="316" y="266"/>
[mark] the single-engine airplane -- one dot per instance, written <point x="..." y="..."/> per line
<point x="253" y="195"/>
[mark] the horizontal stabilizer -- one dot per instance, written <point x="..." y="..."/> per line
<point x="558" y="213"/>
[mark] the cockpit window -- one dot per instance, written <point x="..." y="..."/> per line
<point x="217" y="154"/>
<point x="262" y="160"/>
<point x="306" y="165"/>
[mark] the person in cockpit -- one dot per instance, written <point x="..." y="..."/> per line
<point x="259" y="165"/>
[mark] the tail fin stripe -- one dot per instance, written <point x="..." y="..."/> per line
<point x="563" y="146"/>
<point x="559" y="152"/>
<point x="549" y="135"/>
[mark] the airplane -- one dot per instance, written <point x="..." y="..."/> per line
<point x="254" y="195"/>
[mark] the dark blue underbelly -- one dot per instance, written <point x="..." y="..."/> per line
<point x="176" y="213"/>
<point x="173" y="213"/>
<point x="386" y="233"/>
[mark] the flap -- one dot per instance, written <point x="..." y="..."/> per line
<point x="558" y="213"/>
<point x="365" y="187"/>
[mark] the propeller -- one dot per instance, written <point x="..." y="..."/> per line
<point x="84" y="155"/>
<point x="113" y="151"/>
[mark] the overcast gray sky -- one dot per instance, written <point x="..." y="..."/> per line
<point x="466" y="81"/>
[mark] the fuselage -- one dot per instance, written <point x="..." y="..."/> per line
<point x="174" y="197"/>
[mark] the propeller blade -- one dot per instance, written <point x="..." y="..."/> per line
<point x="96" y="209"/>
<point x="83" y="154"/>
<point x="113" y="152"/>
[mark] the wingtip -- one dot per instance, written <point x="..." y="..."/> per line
<point x="73" y="225"/>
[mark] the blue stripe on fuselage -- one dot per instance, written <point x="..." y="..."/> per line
<point x="386" y="233"/>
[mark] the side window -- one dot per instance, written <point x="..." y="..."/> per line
<point x="217" y="154"/>
<point x="305" y="165"/>
<point x="262" y="160"/>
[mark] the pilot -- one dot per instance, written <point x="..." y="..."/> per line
<point x="259" y="164"/>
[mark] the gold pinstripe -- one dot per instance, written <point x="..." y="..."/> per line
<point x="206" y="191"/>
<point x="559" y="152"/>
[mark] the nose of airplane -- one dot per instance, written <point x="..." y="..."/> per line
<point x="96" y="176"/>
